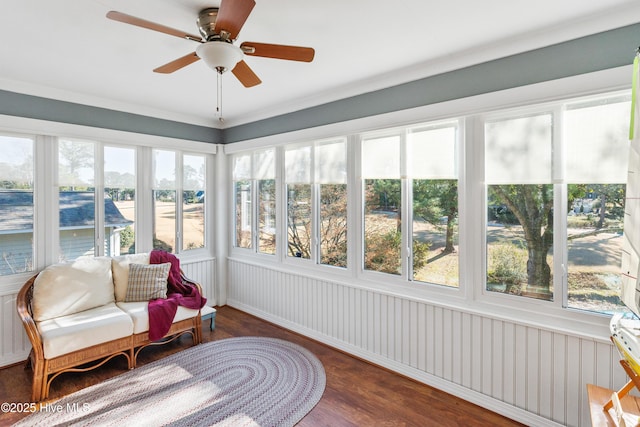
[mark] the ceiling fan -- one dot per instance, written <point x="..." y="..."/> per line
<point x="219" y="28"/>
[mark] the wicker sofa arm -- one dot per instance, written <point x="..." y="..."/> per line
<point x="23" y="305"/>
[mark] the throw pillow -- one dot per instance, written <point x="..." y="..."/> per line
<point x="147" y="282"/>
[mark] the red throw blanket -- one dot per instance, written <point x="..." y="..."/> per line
<point x="180" y="291"/>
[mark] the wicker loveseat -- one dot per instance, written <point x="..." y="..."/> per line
<point x="79" y="315"/>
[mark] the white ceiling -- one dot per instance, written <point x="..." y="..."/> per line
<point x="68" y="50"/>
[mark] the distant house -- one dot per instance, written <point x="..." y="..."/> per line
<point x="77" y="237"/>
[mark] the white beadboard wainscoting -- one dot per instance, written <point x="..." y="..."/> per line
<point x="15" y="346"/>
<point x="533" y="375"/>
<point x="203" y="272"/>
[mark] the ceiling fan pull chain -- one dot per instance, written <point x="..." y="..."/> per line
<point x="219" y="97"/>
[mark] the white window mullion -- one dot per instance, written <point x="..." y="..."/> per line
<point x="464" y="140"/>
<point x="98" y="173"/>
<point x="355" y="206"/>
<point x="475" y="198"/>
<point x="560" y="248"/>
<point x="46" y="190"/>
<point x="179" y="200"/>
<point x="144" y="200"/>
<point x="406" y="211"/>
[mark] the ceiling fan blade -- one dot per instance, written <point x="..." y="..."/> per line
<point x="128" y="19"/>
<point x="232" y="16"/>
<point x="278" y="51"/>
<point x="246" y="75"/>
<point x="176" y="64"/>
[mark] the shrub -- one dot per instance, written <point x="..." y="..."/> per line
<point x="383" y="253"/>
<point x="507" y="265"/>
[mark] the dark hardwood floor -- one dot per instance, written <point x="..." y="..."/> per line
<point x="357" y="393"/>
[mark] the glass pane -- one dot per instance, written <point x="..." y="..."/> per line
<point x="267" y="214"/>
<point x="435" y="231"/>
<point x="193" y="209"/>
<point x="243" y="234"/>
<point x="193" y="222"/>
<point x="331" y="163"/>
<point x="241" y="167"/>
<point x="120" y="200"/>
<point x="333" y="224"/>
<point x="518" y="151"/>
<point x="597" y="141"/>
<point x="597" y="161"/>
<point x="299" y="220"/>
<point x="16" y="205"/>
<point x="520" y="239"/>
<point x="76" y="199"/>
<point x="264" y="164"/>
<point x="164" y="220"/>
<point x="75" y="164"/>
<point x="381" y="157"/>
<point x="594" y="246"/>
<point x="382" y="225"/>
<point x="298" y="165"/>
<point x="164" y="170"/>
<point x="193" y="172"/>
<point x="432" y="153"/>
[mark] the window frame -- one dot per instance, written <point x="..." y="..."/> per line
<point x="404" y="280"/>
<point x="470" y="112"/>
<point x="179" y="200"/>
<point x="556" y="108"/>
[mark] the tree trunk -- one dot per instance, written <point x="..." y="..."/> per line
<point x="538" y="271"/>
<point x="449" y="248"/>
<point x="603" y="203"/>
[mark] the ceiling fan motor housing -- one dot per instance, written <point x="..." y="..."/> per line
<point x="207" y="23"/>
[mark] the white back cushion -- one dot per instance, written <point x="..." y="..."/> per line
<point x="63" y="289"/>
<point x="120" y="266"/>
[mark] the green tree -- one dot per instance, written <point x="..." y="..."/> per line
<point x="386" y="194"/>
<point x="434" y="199"/>
<point x="73" y="157"/>
<point x="299" y="220"/>
<point x="532" y="205"/>
<point x="610" y="201"/>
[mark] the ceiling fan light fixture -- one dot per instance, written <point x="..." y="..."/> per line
<point x="219" y="55"/>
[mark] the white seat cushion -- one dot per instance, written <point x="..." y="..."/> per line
<point x="76" y="331"/>
<point x="139" y="312"/>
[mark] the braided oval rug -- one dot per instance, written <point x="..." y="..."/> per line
<point x="245" y="381"/>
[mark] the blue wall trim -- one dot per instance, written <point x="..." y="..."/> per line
<point x="592" y="53"/>
<point x="35" y="107"/>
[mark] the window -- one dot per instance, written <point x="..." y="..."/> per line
<point x="193" y="185"/>
<point x="520" y="200"/>
<point x="382" y="204"/>
<point x="532" y="172"/>
<point x="316" y="188"/>
<point x="597" y="149"/>
<point x="77" y="199"/>
<point x="87" y="228"/>
<point x="265" y="174"/>
<point x="164" y="200"/>
<point x="16" y="204"/>
<point x="256" y="170"/>
<point x="331" y="176"/>
<point x="432" y="153"/>
<point x="242" y="190"/>
<point x="410" y="180"/>
<point x="298" y="190"/>
<point x="119" y="200"/>
<point x="178" y="201"/>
